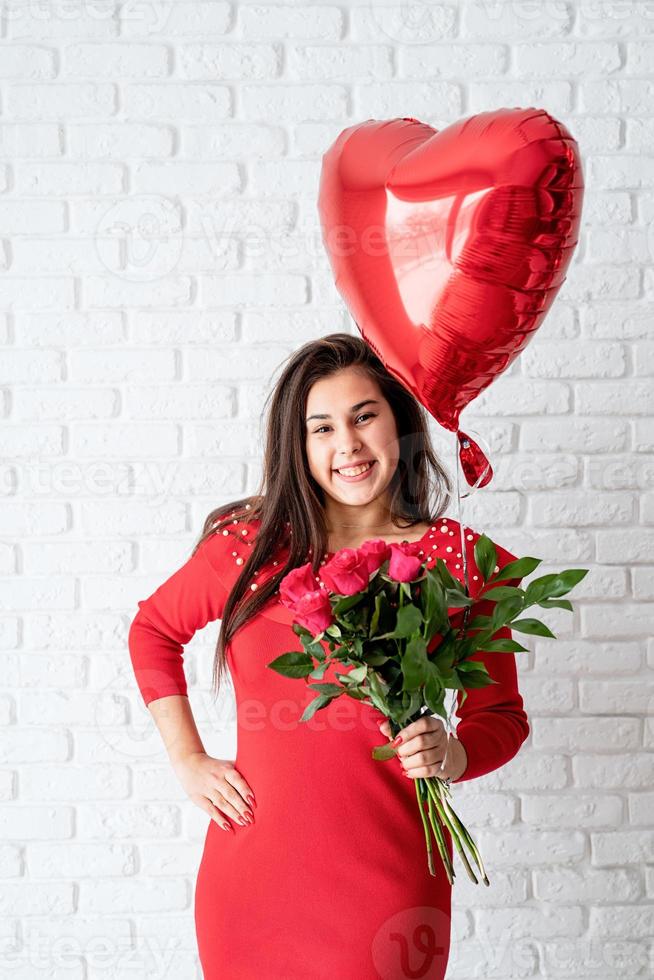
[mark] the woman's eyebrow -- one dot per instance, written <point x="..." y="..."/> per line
<point x="355" y="408"/>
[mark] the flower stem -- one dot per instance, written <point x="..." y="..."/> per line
<point x="459" y="833"/>
<point x="440" y="839"/>
<point x="465" y="834"/>
<point x="430" y="854"/>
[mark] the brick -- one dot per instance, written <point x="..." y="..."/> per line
<point x="519" y="20"/>
<point x="585" y="734"/>
<point x="27" y="63"/>
<point x="252" y="62"/>
<point x="119" y="140"/>
<point x="580" y="508"/>
<point x="115" y="60"/>
<point x="46" y="103"/>
<point x="279" y="21"/>
<point x="556" y="811"/>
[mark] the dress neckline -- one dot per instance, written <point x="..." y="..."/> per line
<point x="430" y="530"/>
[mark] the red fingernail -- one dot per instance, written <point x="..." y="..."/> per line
<point x="251" y="800"/>
<point x="397" y="740"/>
<point x="227" y="826"/>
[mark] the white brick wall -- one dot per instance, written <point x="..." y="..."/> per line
<point x="134" y="368"/>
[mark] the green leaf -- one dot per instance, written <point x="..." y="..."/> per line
<point x="470" y="666"/>
<point x="292" y="664"/>
<point x="346" y="603"/>
<point x="556" y="604"/>
<point x="319" y="671"/>
<point x="374" y="622"/>
<point x="456" y="599"/>
<point x="504" y="645"/>
<point x="434" y="691"/>
<point x="332" y="690"/>
<point x="501" y="592"/>
<point x="517" y="569"/>
<point x="354" y="692"/>
<point x="415" y="664"/>
<point x="473" y="674"/>
<point x="553" y="585"/>
<point x="505" y="610"/>
<point x="314" y="649"/>
<point x="533" y="626"/>
<point x="378" y="693"/>
<point x="485" y="556"/>
<point x="357" y="674"/>
<point x="446" y="576"/>
<point x="384" y="752"/>
<point x="375" y="657"/>
<point x="409" y="621"/>
<point x="479" y="623"/>
<point x="442" y="661"/>
<point x="434" y="607"/>
<point x="319" y="702"/>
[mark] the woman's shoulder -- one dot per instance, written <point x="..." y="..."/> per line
<point x="227" y="546"/>
<point x="471" y="536"/>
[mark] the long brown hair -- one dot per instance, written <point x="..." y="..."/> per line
<point x="289" y="503"/>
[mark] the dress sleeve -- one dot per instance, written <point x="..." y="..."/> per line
<point x="192" y="597"/>
<point x="493" y="723"/>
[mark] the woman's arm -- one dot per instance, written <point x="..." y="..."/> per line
<point x="192" y="597"/>
<point x="493" y="723"/>
<point x="174" y="719"/>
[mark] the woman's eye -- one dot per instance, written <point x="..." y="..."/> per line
<point x="365" y="415"/>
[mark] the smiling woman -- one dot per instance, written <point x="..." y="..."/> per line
<point x="353" y="456"/>
<point x="333" y="849"/>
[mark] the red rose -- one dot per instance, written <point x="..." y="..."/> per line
<point x="347" y="572"/>
<point x="376" y="552"/>
<point x="296" y="584"/>
<point x="405" y="565"/>
<point x="314" y="611"/>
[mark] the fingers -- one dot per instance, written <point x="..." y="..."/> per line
<point x="452" y="766"/>
<point x="214" y="813"/>
<point x="231" y="804"/>
<point x="234" y="777"/>
<point x="227" y="796"/>
<point x="424" y="747"/>
<point x="421" y="760"/>
<point x="426" y="742"/>
<point x="426" y="724"/>
<point x="385" y="729"/>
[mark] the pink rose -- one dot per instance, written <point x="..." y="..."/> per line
<point x="376" y="552"/>
<point x="405" y="565"/>
<point x="314" y="611"/>
<point x="296" y="584"/>
<point x="347" y="572"/>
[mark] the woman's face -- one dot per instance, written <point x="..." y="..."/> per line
<point x="356" y="425"/>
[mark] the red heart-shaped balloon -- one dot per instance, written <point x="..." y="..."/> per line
<point x="449" y="247"/>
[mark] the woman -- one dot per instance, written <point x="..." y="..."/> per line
<point x="314" y="861"/>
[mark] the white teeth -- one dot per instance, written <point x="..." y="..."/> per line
<point x="355" y="470"/>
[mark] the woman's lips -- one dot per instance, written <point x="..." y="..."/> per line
<point x="360" y="477"/>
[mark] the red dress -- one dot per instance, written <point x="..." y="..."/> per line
<point x="331" y="880"/>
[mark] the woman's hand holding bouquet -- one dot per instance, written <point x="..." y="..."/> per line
<point x="409" y="633"/>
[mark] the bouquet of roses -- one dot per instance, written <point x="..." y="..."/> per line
<point x="409" y="632"/>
